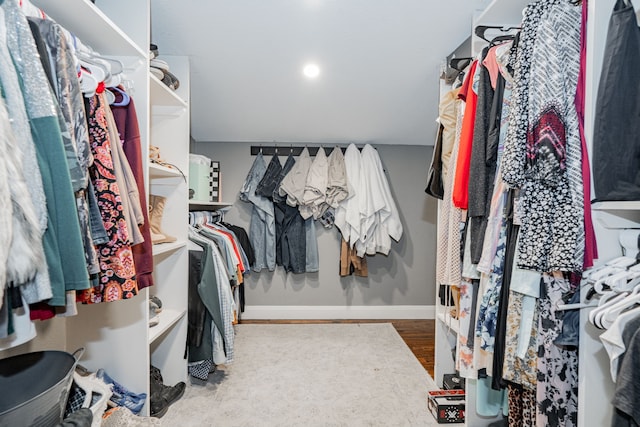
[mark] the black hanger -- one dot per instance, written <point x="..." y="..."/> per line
<point x="501" y="39"/>
<point x="460" y="64"/>
<point x="482" y="29"/>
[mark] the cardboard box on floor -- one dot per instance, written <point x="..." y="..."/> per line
<point x="447" y="406"/>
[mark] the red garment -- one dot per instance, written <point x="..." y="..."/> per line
<point x="591" y="246"/>
<point x="41" y="311"/>
<point x="235" y="249"/>
<point x="127" y="124"/>
<point x="233" y="244"/>
<point x="460" y="195"/>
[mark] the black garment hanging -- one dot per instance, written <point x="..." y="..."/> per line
<point x="435" y="186"/>
<point x="616" y="146"/>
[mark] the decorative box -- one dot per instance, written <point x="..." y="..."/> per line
<point x="447" y="406"/>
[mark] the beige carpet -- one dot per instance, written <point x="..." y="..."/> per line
<point x="311" y="375"/>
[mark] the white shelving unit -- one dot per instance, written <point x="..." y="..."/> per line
<point x="596" y="388"/>
<point x="169" y="130"/>
<point x="116" y="336"/>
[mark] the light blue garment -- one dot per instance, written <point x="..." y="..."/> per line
<point x="262" y="231"/>
<point x="489" y="402"/>
<point x="313" y="260"/>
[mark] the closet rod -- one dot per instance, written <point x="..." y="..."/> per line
<point x="283" y="150"/>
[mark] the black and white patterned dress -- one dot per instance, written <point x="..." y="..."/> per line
<point x="543" y="149"/>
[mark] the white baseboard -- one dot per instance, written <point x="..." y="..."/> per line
<point x="328" y="312"/>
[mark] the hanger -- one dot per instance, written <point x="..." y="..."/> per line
<point x="480" y="30"/>
<point x="607" y="300"/>
<point x="30" y="10"/>
<point x="88" y="83"/>
<point x="501" y="39"/>
<point x="459" y="64"/>
<point x="609" y="315"/>
<point x="125" y="97"/>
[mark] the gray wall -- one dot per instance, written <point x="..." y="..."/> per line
<point x="405" y="277"/>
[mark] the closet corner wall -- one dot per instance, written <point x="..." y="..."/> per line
<point x="116" y="335"/>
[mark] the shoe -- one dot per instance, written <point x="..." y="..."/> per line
<point x="155" y="375"/>
<point x="122" y="396"/>
<point x="163" y="396"/>
<point x="156" y="210"/>
<point x="154" y="321"/>
<point x="157" y="302"/>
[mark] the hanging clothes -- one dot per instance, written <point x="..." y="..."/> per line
<point x="61" y="239"/>
<point x="21" y="253"/>
<point x="350" y="263"/>
<point x="546" y="164"/>
<point x="379" y="218"/>
<point x="448" y="260"/>
<point x="337" y="184"/>
<point x="591" y="247"/>
<point x="128" y="186"/>
<point x="468" y="93"/>
<point x="557" y="387"/>
<point x="314" y="197"/>
<point x="117" y="269"/>
<point x="291" y="246"/>
<point x="616" y="148"/>
<point x="69" y="97"/>
<point x="347" y="216"/>
<point x="214" y="289"/>
<point x="293" y="184"/>
<point x="262" y="230"/>
<point x="126" y="120"/>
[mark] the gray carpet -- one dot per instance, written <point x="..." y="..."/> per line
<point x="311" y="375"/>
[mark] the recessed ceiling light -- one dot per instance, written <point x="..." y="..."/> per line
<point x="311" y="70"/>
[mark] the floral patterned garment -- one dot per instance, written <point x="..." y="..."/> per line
<point x="557" y="389"/>
<point x="117" y="269"/>
<point x="464" y="353"/>
<point x="490" y="304"/>
<point x="515" y="369"/>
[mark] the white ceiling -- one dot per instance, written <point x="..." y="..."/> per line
<point x="379" y="62"/>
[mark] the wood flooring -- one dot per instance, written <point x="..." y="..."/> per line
<point x="419" y="335"/>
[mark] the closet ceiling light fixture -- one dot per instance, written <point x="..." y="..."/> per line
<point x="311" y="71"/>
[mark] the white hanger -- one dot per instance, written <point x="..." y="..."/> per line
<point x="610" y="314"/>
<point x="30" y="10"/>
<point x="607" y="299"/>
<point x="623" y="281"/>
<point x="88" y="83"/>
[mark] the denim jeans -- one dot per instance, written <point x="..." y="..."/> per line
<point x="312" y="258"/>
<point x="271" y="179"/>
<point x="291" y="240"/>
<point x="262" y="230"/>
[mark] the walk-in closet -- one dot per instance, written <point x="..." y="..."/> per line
<point x="319" y="213"/>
